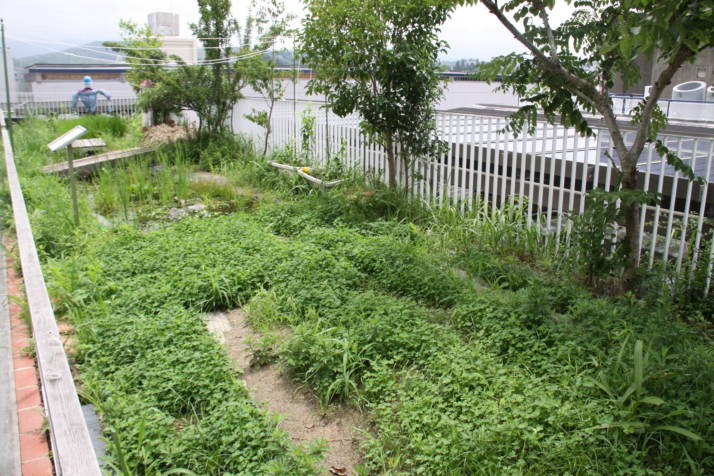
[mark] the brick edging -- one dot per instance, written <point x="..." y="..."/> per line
<point x="34" y="446"/>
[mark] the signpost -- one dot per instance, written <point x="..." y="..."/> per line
<point x="65" y="140"/>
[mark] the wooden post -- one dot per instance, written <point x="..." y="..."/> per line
<point x="73" y="185"/>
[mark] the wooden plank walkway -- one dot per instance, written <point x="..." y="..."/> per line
<point x="94" y="162"/>
<point x="71" y="445"/>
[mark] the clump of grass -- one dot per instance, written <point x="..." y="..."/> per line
<point x="97" y="125"/>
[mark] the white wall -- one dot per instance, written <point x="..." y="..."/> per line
<point x="58" y="90"/>
<point x="184" y="48"/>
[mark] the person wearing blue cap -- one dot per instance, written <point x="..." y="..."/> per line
<point x="88" y="96"/>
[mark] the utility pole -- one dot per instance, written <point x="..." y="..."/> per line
<point x="7" y="82"/>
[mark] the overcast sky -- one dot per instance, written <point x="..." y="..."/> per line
<point x="39" y="26"/>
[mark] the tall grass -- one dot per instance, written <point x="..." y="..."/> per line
<point x="96" y="125"/>
<point x="138" y="184"/>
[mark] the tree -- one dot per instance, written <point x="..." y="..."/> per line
<point x="570" y="69"/>
<point x="212" y="88"/>
<point x="142" y="50"/>
<point x="380" y="58"/>
<point x="269" y="25"/>
<point x="268" y="83"/>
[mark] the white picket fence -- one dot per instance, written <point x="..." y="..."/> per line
<point x="549" y="173"/>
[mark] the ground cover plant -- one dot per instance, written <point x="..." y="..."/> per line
<point x="464" y="363"/>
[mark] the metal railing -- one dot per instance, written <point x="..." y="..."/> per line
<point x="677" y="109"/>
<point x="72" y="451"/>
<point x="29" y="104"/>
<point x="549" y="173"/>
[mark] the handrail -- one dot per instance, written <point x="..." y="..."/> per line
<point x="640" y="97"/>
<point x="72" y="449"/>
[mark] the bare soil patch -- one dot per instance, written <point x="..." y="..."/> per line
<point x="272" y="387"/>
<point x="164" y="134"/>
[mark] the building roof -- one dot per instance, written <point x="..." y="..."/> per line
<point x="77" y="68"/>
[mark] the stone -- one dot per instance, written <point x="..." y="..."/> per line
<point x="198" y="207"/>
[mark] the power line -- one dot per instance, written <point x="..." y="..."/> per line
<point x="224" y="60"/>
<point x="227" y="59"/>
<point x="98" y="48"/>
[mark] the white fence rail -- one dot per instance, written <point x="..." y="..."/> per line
<point x="549" y="173"/>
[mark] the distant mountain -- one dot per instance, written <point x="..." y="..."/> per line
<point x="96" y="53"/>
<point x="91" y="53"/>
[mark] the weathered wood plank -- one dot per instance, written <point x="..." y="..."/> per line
<point x="88" y="145"/>
<point x="72" y="448"/>
<point x="317" y="181"/>
<point x="89" y="164"/>
<point x="277" y="165"/>
<point x="10" y="448"/>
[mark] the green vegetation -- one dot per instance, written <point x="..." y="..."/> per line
<point x="96" y="125"/>
<point x="456" y="335"/>
<point x="379" y="58"/>
<point x="570" y="69"/>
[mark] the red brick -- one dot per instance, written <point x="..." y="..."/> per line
<point x="37" y="467"/>
<point x="25" y="377"/>
<point x="33" y="445"/>
<point x="27" y="397"/>
<point x="20" y="342"/>
<point x="20" y="328"/>
<point x="23" y="361"/>
<point x="18" y="322"/>
<point x="19" y="332"/>
<point x="31" y="419"/>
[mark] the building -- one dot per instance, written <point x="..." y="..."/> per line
<point x="55" y="81"/>
<point x="166" y="26"/>
<point x="702" y="69"/>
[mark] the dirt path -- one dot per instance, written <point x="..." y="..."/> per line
<point x="304" y="421"/>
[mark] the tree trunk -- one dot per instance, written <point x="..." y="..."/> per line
<point x="391" y="165"/>
<point x="632" y="230"/>
<point x="268" y="127"/>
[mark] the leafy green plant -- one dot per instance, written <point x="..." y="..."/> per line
<point x="637" y="410"/>
<point x="307" y="133"/>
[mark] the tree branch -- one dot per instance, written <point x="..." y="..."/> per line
<point x="552" y="65"/>
<point x="612" y="161"/>
<point x="549" y="32"/>
<point x="662" y="81"/>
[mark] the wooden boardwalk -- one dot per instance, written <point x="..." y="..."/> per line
<point x="94" y="162"/>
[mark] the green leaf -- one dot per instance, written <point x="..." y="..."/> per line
<point x="639" y="365"/>
<point x="679" y="430"/>
<point x="653" y="401"/>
